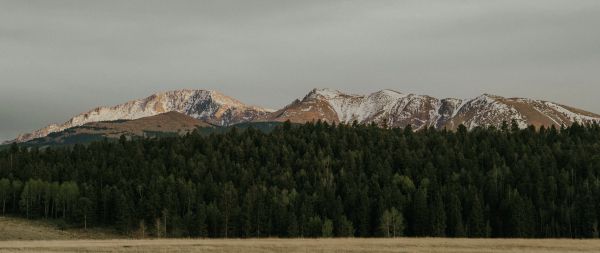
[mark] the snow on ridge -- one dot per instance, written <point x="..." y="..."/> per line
<point x="360" y="107"/>
<point x="385" y="106"/>
<point x="573" y="116"/>
<point x="395" y="108"/>
<point x="200" y="104"/>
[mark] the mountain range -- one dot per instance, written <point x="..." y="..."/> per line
<point x="179" y="111"/>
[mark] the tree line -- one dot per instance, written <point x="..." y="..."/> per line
<point x="319" y="180"/>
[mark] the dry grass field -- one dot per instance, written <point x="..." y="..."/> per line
<point x="18" y="235"/>
<point x="305" y="245"/>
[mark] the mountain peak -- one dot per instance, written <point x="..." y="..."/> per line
<point x="395" y="109"/>
<point x="385" y="107"/>
<point x="489" y="95"/>
<point x="210" y="106"/>
<point x="388" y="93"/>
<point x="324" y="92"/>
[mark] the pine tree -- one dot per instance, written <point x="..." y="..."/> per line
<point x="228" y="204"/>
<point x="420" y="213"/>
<point x="200" y="220"/>
<point x="476" y="222"/>
<point x="438" y="217"/>
<point x="292" y="229"/>
<point x="455" y="222"/>
<point x="5" y="190"/>
<point x="314" y="227"/>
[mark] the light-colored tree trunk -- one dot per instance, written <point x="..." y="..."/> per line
<point x="157" y="222"/>
<point x="143" y="229"/>
<point x="165" y="211"/>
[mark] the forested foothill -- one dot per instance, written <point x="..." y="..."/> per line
<point x="318" y="180"/>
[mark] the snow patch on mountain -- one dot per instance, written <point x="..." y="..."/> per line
<point x="207" y="105"/>
<point x="385" y="108"/>
<point x="396" y="109"/>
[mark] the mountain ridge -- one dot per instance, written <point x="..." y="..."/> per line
<point x="396" y="109"/>
<point x="208" y="105"/>
<point x="387" y="107"/>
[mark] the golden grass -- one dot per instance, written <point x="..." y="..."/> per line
<point x="306" y="245"/>
<point x="20" y="235"/>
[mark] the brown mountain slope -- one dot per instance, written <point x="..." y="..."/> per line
<point x="169" y="123"/>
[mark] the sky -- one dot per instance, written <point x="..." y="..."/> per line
<point x="61" y="58"/>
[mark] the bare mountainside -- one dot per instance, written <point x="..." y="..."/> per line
<point x="209" y="106"/>
<point x="395" y="109"/>
<point x="158" y="125"/>
<point x="385" y="108"/>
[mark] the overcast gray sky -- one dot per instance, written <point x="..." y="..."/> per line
<point x="60" y="58"/>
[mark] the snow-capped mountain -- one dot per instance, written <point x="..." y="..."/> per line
<point x="493" y="110"/>
<point x="210" y="106"/>
<point x="394" y="109"/>
<point x="385" y="108"/>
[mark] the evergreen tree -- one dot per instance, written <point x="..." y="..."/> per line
<point x="476" y="222"/>
<point x="314" y="227"/>
<point x="438" y="217"/>
<point x="5" y="190"/>
<point x="200" y="227"/>
<point x="455" y="226"/>
<point x="228" y="205"/>
<point x="318" y="179"/>
<point x="420" y="213"/>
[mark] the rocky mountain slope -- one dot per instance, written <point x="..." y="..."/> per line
<point x="385" y="108"/>
<point x="394" y="109"/>
<point x="210" y="106"/>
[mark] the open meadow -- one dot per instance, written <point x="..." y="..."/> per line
<point x="21" y="235"/>
<point x="305" y="245"/>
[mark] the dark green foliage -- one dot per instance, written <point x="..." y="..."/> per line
<point x="70" y="137"/>
<point x="316" y="180"/>
<point x="476" y="221"/>
<point x="327" y="230"/>
<point x="455" y="226"/>
<point x="314" y="227"/>
<point x="420" y="219"/>
<point x="55" y="139"/>
<point x="438" y="216"/>
<point x="344" y="227"/>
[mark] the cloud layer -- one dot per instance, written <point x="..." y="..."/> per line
<point x="58" y="58"/>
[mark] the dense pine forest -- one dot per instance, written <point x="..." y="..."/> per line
<point x="318" y="180"/>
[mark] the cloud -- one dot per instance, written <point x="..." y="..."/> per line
<point x="59" y="58"/>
